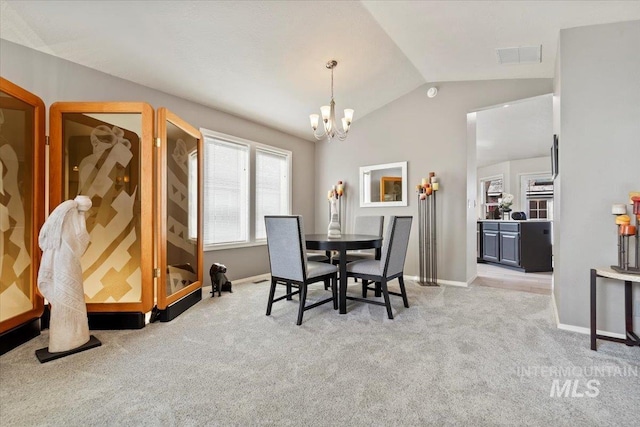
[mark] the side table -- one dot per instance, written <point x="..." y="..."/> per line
<point x="631" y="338"/>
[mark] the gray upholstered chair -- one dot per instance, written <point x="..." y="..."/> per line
<point x="389" y="267"/>
<point x="317" y="257"/>
<point x="370" y="225"/>
<point x="289" y="265"/>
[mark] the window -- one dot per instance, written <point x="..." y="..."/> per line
<point x="537" y="195"/>
<point x="538" y="209"/>
<point x="491" y="189"/>
<point x="226" y="191"/>
<point x="273" y="194"/>
<point x="233" y="211"/>
<point x="193" y="195"/>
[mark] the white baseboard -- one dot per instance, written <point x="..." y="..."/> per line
<point x="578" y="329"/>
<point x="556" y="317"/>
<point x="259" y="277"/>
<point x="453" y="283"/>
<point x="440" y="281"/>
<point x="587" y="331"/>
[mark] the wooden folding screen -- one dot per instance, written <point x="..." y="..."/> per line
<point x="179" y="195"/>
<point x="104" y="150"/>
<point x="22" y="157"/>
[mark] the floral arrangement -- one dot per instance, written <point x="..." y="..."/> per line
<point x="336" y="191"/>
<point x="506" y="201"/>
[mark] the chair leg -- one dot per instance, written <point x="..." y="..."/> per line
<point x="378" y="292"/>
<point x="272" y="292"/>
<point x="385" y="293"/>
<point x="326" y="283"/>
<point x="303" y="297"/>
<point x="403" y="291"/>
<point x="334" y="290"/>
<point x="289" y="298"/>
<point x="365" y="283"/>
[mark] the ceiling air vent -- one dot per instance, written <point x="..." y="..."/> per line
<point x="520" y="55"/>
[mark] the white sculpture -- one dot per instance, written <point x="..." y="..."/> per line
<point x="63" y="239"/>
<point x="333" y="230"/>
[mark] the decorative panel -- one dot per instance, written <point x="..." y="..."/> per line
<point x="104" y="151"/>
<point x="21" y="204"/>
<point x="179" y="208"/>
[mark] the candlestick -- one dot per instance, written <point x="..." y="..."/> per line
<point x="619" y="209"/>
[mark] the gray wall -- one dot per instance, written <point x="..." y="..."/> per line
<point x="54" y="79"/>
<point x="599" y="163"/>
<point x="431" y="134"/>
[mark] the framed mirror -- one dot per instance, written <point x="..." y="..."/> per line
<point x="383" y="185"/>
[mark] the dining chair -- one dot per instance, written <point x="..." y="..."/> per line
<point x="389" y="267"/>
<point x="370" y="225"/>
<point x="289" y="265"/>
<point x="317" y="257"/>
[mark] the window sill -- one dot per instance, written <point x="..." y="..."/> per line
<point x="208" y="248"/>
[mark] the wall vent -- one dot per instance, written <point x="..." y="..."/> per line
<point x="520" y="55"/>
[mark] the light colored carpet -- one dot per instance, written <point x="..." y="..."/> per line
<point x="452" y="358"/>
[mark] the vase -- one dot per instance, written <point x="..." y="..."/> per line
<point x="333" y="231"/>
<point x="504" y="211"/>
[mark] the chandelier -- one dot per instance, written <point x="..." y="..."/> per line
<point x="329" y="116"/>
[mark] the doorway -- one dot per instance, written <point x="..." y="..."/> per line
<point x="509" y="159"/>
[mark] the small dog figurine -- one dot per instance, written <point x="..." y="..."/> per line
<point x="219" y="281"/>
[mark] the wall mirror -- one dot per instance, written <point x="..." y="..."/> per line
<point x="383" y="185"/>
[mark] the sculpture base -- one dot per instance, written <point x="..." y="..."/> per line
<point x="45" y="356"/>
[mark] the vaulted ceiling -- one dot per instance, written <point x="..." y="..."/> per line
<point x="265" y="60"/>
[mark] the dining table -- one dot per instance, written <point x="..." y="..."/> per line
<point x="342" y="244"/>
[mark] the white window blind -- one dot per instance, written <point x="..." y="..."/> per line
<point x="193" y="195"/>
<point x="273" y="187"/>
<point x="226" y="192"/>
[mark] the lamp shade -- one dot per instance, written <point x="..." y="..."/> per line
<point x="348" y="115"/>
<point x="313" y="118"/>
<point x="326" y="112"/>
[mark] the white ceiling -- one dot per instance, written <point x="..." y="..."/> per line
<point x="514" y="131"/>
<point x="264" y="60"/>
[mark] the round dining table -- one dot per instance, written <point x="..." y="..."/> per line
<point x="342" y="244"/>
